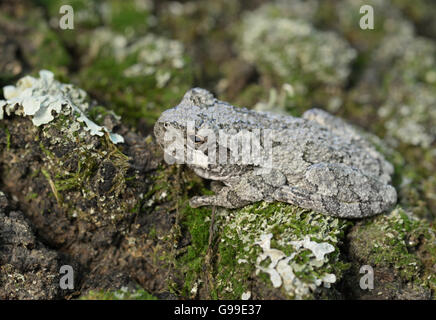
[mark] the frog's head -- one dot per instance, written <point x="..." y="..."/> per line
<point x="183" y="128"/>
<point x="188" y="132"/>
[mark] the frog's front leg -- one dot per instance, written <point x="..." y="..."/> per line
<point x="243" y="190"/>
<point x="339" y="190"/>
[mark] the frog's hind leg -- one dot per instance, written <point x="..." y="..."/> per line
<point x="299" y="197"/>
<point x="339" y="190"/>
<point x="349" y="132"/>
<point x="318" y="203"/>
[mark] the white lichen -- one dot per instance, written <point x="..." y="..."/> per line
<point x="152" y="55"/>
<point x="246" y="295"/>
<point x="408" y="109"/>
<point x="318" y="249"/>
<point x="291" y="49"/>
<point x="389" y="19"/>
<point x="292" y="246"/>
<point x="2" y="104"/>
<point x="43" y="98"/>
<point x="282" y="273"/>
<point x="277" y="101"/>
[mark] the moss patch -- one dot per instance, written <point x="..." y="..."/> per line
<point x="397" y="242"/>
<point x="121" y="294"/>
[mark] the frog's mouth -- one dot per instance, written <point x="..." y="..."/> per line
<point x="197" y="158"/>
<point x="219" y="173"/>
<point x="159" y="133"/>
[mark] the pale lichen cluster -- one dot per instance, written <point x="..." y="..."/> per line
<point x="400" y="74"/>
<point x="296" y="248"/>
<point x="280" y="269"/>
<point x="153" y="55"/>
<point x="388" y="19"/>
<point x="44" y="98"/>
<point x="293" y="49"/>
<point x="408" y="109"/>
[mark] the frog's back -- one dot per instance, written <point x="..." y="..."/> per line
<point x="310" y="143"/>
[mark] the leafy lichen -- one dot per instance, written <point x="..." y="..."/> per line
<point x="237" y="251"/>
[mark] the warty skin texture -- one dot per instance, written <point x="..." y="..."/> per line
<point x="318" y="162"/>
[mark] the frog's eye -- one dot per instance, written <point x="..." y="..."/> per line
<point x="197" y="139"/>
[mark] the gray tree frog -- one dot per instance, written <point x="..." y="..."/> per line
<point x="318" y="162"/>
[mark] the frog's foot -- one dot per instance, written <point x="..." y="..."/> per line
<point x="339" y="190"/>
<point x="226" y="198"/>
<point x="201" y="201"/>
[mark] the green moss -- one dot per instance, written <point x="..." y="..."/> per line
<point x="251" y="95"/>
<point x="127" y="16"/>
<point x="415" y="181"/>
<point x="231" y="274"/>
<point x="8" y="136"/>
<point x="170" y="189"/>
<point x="192" y="263"/>
<point x="86" y="13"/>
<point x="121" y="294"/>
<point x="51" y="55"/>
<point x="132" y="98"/>
<point x="400" y="243"/>
<point x="44" y="48"/>
<point x="98" y="113"/>
<point x="120" y="15"/>
<point x="32" y="195"/>
<point x="86" y="168"/>
<point x="52" y="186"/>
<point x="344" y="17"/>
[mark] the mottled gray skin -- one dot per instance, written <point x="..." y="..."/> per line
<point x="319" y="161"/>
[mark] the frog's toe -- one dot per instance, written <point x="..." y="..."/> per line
<point x="201" y="201"/>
